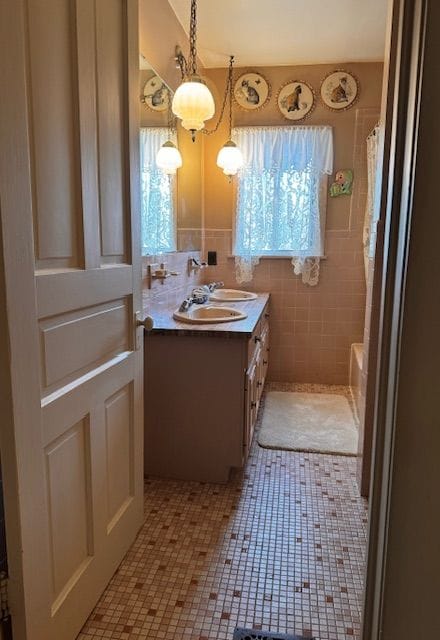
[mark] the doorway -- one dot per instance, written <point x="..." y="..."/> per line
<point x="225" y="618"/>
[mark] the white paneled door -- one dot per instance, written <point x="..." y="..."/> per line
<point x="72" y="420"/>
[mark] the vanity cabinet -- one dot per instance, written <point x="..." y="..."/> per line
<point x="202" y="394"/>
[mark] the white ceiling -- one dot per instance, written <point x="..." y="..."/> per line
<point x="281" y="32"/>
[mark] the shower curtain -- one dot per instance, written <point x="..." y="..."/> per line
<point x="372" y="208"/>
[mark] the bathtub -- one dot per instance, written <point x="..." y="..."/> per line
<point x="356" y="361"/>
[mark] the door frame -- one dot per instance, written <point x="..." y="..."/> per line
<point x="18" y="312"/>
<point x="406" y="54"/>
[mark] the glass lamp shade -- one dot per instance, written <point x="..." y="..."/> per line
<point x="193" y="104"/>
<point x="230" y="158"/>
<point x="169" y="158"/>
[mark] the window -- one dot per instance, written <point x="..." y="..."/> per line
<point x="281" y="200"/>
<point x="158" y="225"/>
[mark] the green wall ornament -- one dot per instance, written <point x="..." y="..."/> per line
<point x="343" y="183"/>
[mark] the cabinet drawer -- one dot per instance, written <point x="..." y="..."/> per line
<point x="260" y="338"/>
<point x="264" y="322"/>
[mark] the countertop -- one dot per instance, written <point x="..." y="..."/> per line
<point x="165" y="323"/>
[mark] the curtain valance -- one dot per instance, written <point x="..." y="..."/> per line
<point x="298" y="148"/>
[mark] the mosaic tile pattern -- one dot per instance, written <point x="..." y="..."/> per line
<point x="280" y="547"/>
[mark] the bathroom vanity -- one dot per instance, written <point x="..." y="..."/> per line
<point x="203" y="385"/>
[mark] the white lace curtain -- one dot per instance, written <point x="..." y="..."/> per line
<point x="372" y="208"/>
<point x="282" y="195"/>
<point x="158" y="224"/>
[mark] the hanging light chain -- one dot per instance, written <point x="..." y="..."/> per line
<point x="228" y="94"/>
<point x="171" y="116"/>
<point x="192" y="63"/>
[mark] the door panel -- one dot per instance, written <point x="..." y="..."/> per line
<point x="75" y="342"/>
<point x="111" y="129"/>
<point x="69" y="497"/>
<point x="70" y="218"/>
<point x="119" y="450"/>
<point x="54" y="125"/>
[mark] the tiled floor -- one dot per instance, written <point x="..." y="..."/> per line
<point x="281" y="547"/>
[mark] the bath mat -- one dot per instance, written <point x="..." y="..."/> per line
<point x="316" y="422"/>
<point x="257" y="634"/>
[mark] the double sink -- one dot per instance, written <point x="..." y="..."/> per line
<point x="213" y="313"/>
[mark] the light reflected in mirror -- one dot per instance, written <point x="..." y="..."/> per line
<point x="186" y="186"/>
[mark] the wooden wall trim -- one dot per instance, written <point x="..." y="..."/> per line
<point x="408" y="47"/>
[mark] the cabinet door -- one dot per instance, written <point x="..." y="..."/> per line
<point x="260" y="376"/>
<point x="252" y="400"/>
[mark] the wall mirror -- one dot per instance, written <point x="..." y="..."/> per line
<point x="171" y="205"/>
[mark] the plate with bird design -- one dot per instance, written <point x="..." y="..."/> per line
<point x="339" y="90"/>
<point x="296" y="100"/>
<point x="251" y="91"/>
<point x="156" y="95"/>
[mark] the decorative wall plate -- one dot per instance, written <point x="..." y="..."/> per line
<point x="296" y="100"/>
<point x="339" y="90"/>
<point x="343" y="184"/>
<point x="251" y="91"/>
<point x="156" y="94"/>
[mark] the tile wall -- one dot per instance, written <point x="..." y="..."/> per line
<point x="188" y="238"/>
<point x="174" y="289"/>
<point x="312" y="328"/>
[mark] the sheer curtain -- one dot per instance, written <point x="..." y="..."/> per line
<point x="158" y="224"/>
<point x="372" y="208"/>
<point x="282" y="195"/>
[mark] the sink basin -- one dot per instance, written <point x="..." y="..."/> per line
<point x="209" y="314"/>
<point x="232" y="295"/>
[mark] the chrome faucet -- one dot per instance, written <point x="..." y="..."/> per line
<point x="186" y="304"/>
<point x="212" y="286"/>
<point x="195" y="265"/>
<point x="200" y="294"/>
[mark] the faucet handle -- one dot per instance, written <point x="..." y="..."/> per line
<point x="215" y="285"/>
<point x="185" y="305"/>
<point x="200" y="295"/>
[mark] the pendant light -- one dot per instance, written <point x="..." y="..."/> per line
<point x="192" y="102"/>
<point x="169" y="158"/>
<point x="230" y="158"/>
